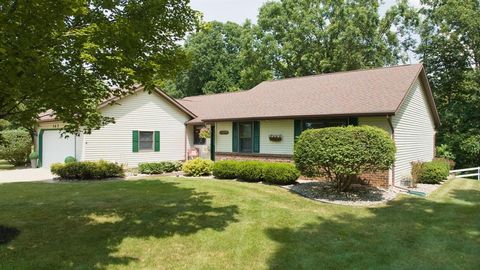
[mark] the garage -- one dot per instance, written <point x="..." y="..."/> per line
<point x="54" y="147"/>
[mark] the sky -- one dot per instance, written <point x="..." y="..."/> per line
<point x="240" y="10"/>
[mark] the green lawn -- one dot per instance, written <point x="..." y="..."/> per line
<point x="213" y="224"/>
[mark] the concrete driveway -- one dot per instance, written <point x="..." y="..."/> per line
<point x="25" y="175"/>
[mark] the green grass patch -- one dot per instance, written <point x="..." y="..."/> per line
<point x="175" y="223"/>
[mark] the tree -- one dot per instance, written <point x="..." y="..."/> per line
<point x="216" y="52"/>
<point x="305" y="37"/>
<point x="16" y="146"/>
<point x="341" y="154"/>
<point x="450" y="49"/>
<point x="68" y="56"/>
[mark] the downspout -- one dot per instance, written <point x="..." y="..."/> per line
<point x="389" y="120"/>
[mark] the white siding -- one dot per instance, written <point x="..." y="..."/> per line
<point x="223" y="141"/>
<point x="377" y="121"/>
<point x="141" y="112"/>
<point x="284" y="128"/>
<point x="414" y="132"/>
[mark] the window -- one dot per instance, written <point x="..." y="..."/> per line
<point x="245" y="137"/>
<point x="145" y="141"/>
<point x="323" y="123"/>
<point x="196" y="135"/>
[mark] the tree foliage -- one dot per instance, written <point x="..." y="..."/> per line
<point x="341" y="154"/>
<point x="16" y="145"/>
<point x="450" y="49"/>
<point x="68" y="55"/>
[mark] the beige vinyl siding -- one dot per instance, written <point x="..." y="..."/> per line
<point x="223" y="141"/>
<point x="414" y="132"/>
<point x="142" y="112"/>
<point x="277" y="127"/>
<point x="377" y="121"/>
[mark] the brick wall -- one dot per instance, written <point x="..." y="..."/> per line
<point x="378" y="179"/>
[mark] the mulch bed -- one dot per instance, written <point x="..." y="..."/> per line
<point x="358" y="195"/>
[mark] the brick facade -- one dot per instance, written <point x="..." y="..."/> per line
<point x="378" y="179"/>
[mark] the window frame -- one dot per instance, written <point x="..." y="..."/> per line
<point x="195" y="142"/>
<point x="251" y="137"/>
<point x="152" y="148"/>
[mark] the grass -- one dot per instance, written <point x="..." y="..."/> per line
<point x="175" y="223"/>
<point x="4" y="165"/>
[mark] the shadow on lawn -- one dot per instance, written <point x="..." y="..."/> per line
<point x="7" y="234"/>
<point x="409" y="233"/>
<point x="86" y="233"/>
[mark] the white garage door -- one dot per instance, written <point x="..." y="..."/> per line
<point x="56" y="148"/>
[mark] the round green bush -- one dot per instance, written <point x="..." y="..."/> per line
<point x="197" y="167"/>
<point x="251" y="171"/>
<point x="280" y="173"/>
<point x="15" y="146"/>
<point x="225" y="169"/>
<point x="70" y="159"/>
<point x="342" y="153"/>
<point x="433" y="172"/>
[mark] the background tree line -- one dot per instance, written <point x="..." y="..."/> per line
<point x="304" y="37"/>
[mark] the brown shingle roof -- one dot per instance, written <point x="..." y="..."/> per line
<point x="363" y="92"/>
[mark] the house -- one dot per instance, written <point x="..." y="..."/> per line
<point x="262" y="123"/>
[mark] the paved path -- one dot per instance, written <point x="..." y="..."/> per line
<point x="25" y="175"/>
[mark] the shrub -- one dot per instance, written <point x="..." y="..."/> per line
<point x="197" y="167"/>
<point x="251" y="171"/>
<point x="87" y="170"/>
<point x="433" y="172"/>
<point x="444" y="151"/>
<point x="280" y="173"/>
<point x="15" y="146"/>
<point x="159" y="167"/>
<point x="450" y="163"/>
<point x="226" y="169"/>
<point x="342" y="153"/>
<point x="33" y="155"/>
<point x="70" y="159"/>
<point x="416" y="170"/>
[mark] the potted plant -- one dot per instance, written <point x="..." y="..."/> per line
<point x="205" y="133"/>
<point x="33" y="159"/>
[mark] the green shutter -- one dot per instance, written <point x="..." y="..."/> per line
<point x="297" y="128"/>
<point x="256" y="137"/>
<point x="157" y="141"/>
<point x="353" y="121"/>
<point x="135" y="141"/>
<point x="234" y="137"/>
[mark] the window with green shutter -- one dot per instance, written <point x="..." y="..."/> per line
<point x="246" y="137"/>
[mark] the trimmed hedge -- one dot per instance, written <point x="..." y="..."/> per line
<point x="159" y="167"/>
<point x="251" y="171"/>
<point x="197" y="167"/>
<point x="433" y="172"/>
<point x="225" y="169"/>
<point x="256" y="171"/>
<point x="87" y="170"/>
<point x="280" y="173"/>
